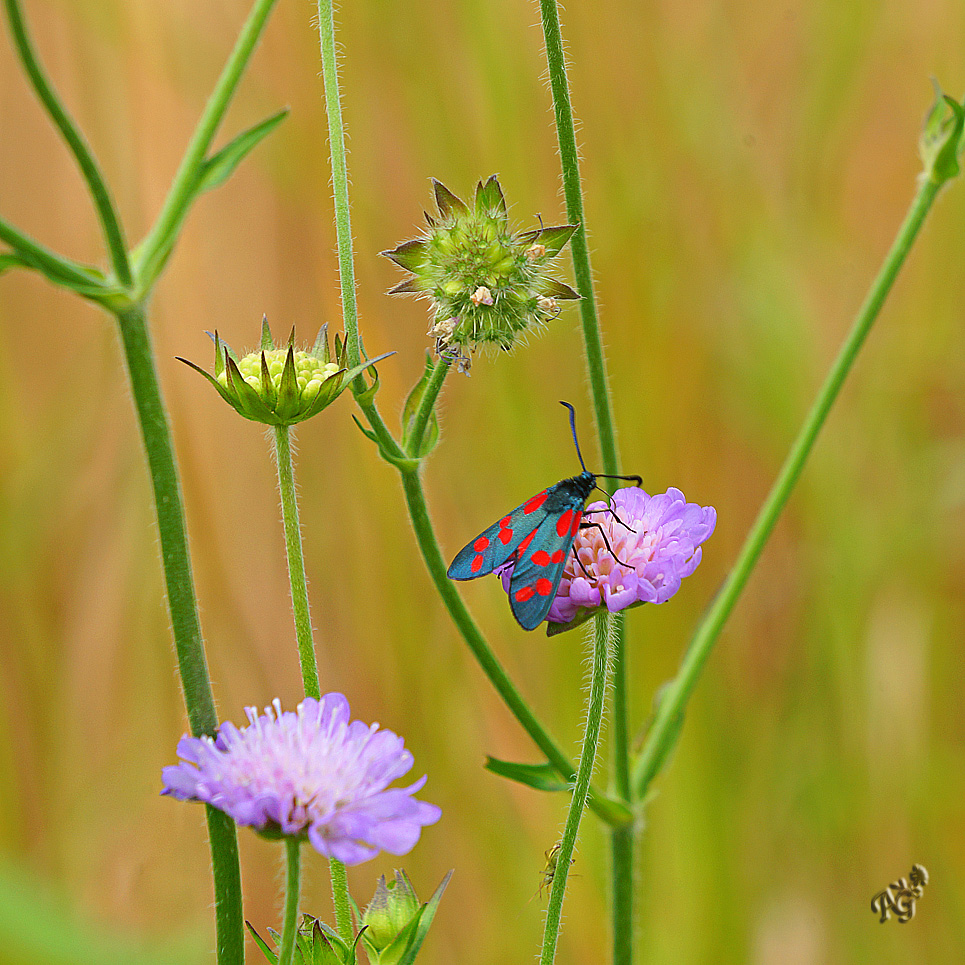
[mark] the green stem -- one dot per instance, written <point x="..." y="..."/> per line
<point x="60" y="269"/>
<point x="110" y="223"/>
<point x="612" y="812"/>
<point x="154" y="250"/>
<point x="421" y="418"/>
<point x="293" y="861"/>
<point x="296" y="562"/>
<point x="664" y="729"/>
<point x="573" y="192"/>
<point x="184" y="613"/>
<point x="621" y="839"/>
<point x="342" y="902"/>
<point x="343" y="222"/>
<point x="594" y="716"/>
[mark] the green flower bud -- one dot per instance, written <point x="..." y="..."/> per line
<point x="487" y="285"/>
<point x="393" y="908"/>
<point x="281" y="386"/>
<point x="941" y="141"/>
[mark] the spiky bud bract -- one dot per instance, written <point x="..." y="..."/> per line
<point x="281" y="386"/>
<point x="487" y="284"/>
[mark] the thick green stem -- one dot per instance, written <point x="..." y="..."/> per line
<point x="426" y="404"/>
<point x="342" y="902"/>
<point x="296" y="562"/>
<point x="343" y="221"/>
<point x="573" y="192"/>
<point x="622" y="838"/>
<point x="594" y="717"/>
<point x="611" y="811"/>
<point x="289" y="932"/>
<point x="154" y="250"/>
<point x="184" y="613"/>
<point x="110" y="223"/>
<point x="664" y="730"/>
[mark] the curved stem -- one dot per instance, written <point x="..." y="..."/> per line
<point x="154" y="250"/>
<point x="422" y="415"/>
<point x="611" y="811"/>
<point x="293" y="862"/>
<point x="594" y="716"/>
<point x="296" y="562"/>
<point x="192" y="664"/>
<point x="664" y="730"/>
<point x="110" y="223"/>
<point x="343" y="221"/>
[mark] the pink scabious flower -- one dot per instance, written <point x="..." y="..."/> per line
<point x="311" y="772"/>
<point x="654" y="542"/>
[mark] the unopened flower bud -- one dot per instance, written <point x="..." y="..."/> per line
<point x="281" y="386"/>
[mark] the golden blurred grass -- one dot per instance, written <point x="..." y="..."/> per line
<point x="746" y="166"/>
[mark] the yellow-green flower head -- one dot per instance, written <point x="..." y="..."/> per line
<point x="281" y="386"/>
<point x="487" y="285"/>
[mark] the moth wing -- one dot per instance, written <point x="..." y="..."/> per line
<point x="540" y="561"/>
<point x="495" y="545"/>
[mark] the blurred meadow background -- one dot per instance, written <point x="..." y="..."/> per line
<point x="746" y="166"/>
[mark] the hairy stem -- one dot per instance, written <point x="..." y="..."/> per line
<point x="192" y="664"/>
<point x="594" y="717"/>
<point x="106" y="212"/>
<point x="664" y="730"/>
<point x="343" y="221"/>
<point x="296" y="562"/>
<point x="622" y="838"/>
<point x="293" y="862"/>
<point x="342" y="902"/>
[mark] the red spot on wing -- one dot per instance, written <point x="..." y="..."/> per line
<point x="505" y="531"/>
<point x="477" y="563"/>
<point x="557" y="557"/>
<point x="535" y="503"/>
<point x="540" y="558"/>
<point x="564" y="522"/>
<point x="543" y="586"/>
<point x="575" y="528"/>
<point x="524" y="593"/>
<point x="480" y="544"/>
<point x="525" y="543"/>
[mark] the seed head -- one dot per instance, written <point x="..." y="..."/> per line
<point x="489" y="284"/>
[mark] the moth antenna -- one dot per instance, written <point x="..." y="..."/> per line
<point x="576" y="441"/>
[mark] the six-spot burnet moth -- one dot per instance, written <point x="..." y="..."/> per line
<point x="537" y="538"/>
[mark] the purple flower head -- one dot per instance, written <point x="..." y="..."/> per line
<point x="656" y="549"/>
<point x="309" y="772"/>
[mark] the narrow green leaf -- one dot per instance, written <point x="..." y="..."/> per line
<point x="10" y="260"/>
<point x="262" y="944"/>
<point x="267" y="342"/>
<point x="540" y="777"/>
<point x="556" y="289"/>
<point x="220" y="166"/>
<point x="425" y="921"/>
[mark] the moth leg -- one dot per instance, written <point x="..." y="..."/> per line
<point x="606" y="543"/>
<point x="612" y="512"/>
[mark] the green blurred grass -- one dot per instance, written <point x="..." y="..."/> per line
<point x="746" y="167"/>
